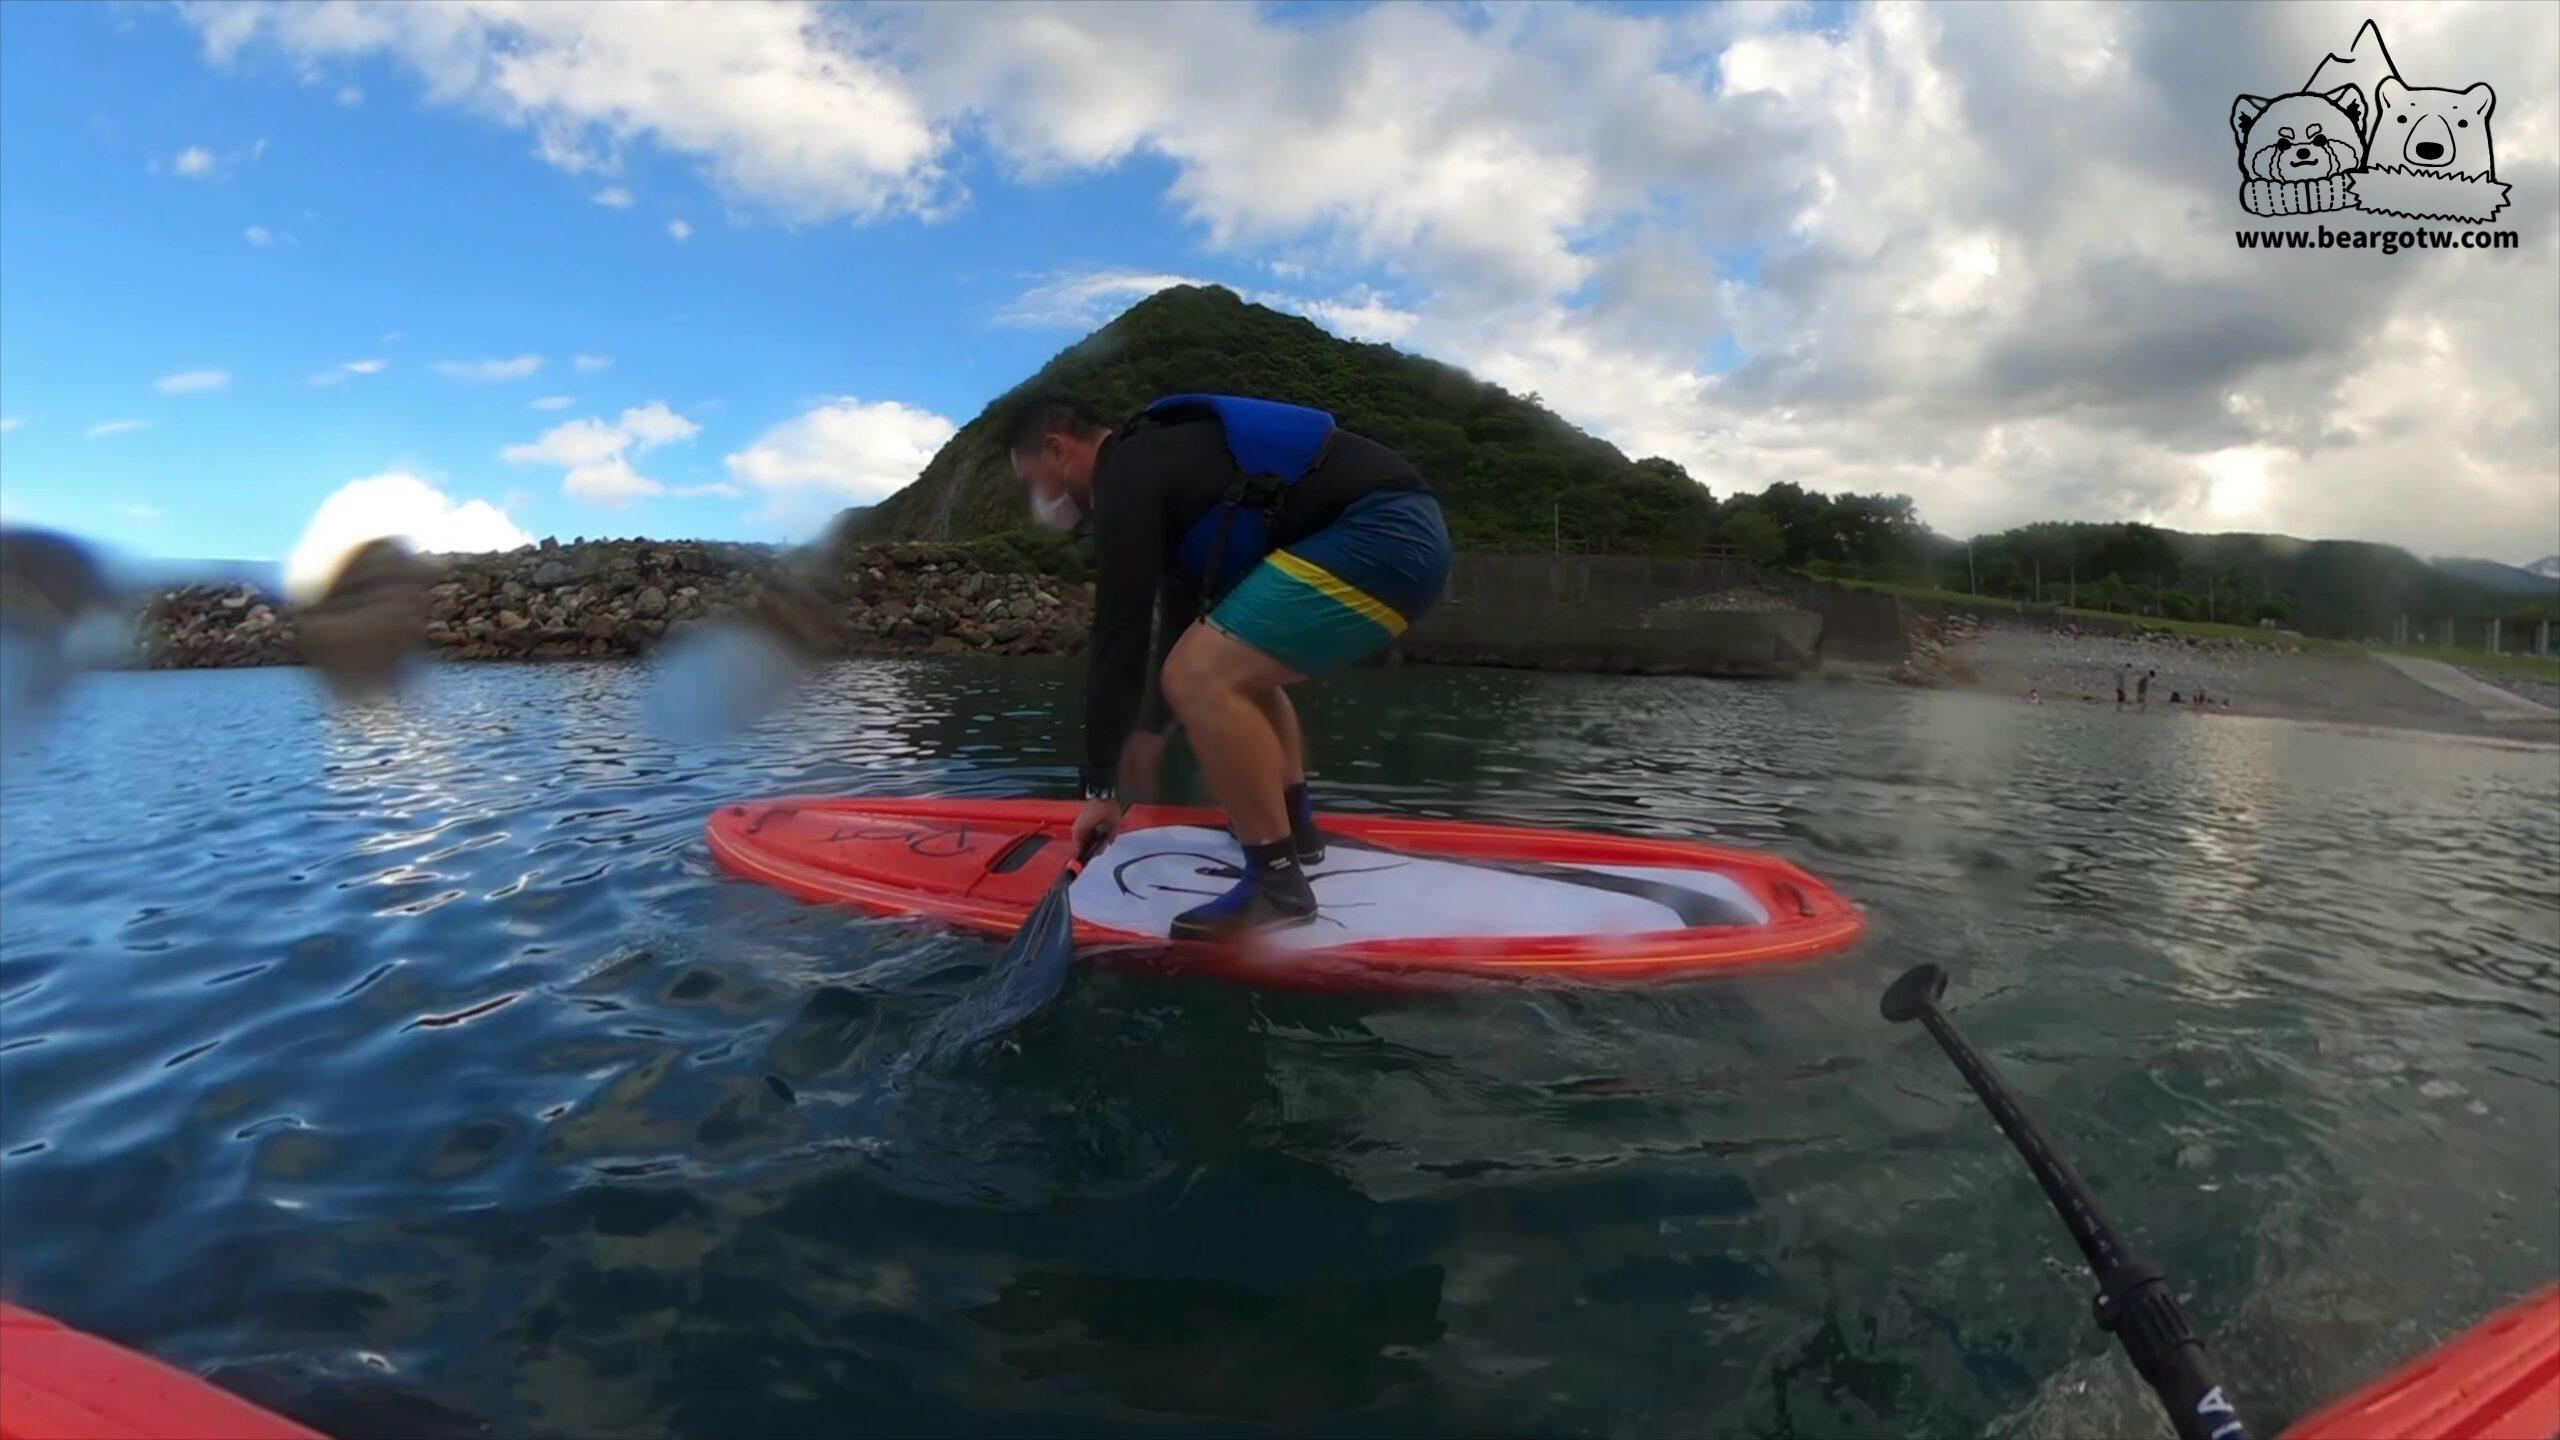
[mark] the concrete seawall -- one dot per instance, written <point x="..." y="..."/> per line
<point x="1641" y="615"/>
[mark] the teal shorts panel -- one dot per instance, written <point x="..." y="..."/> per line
<point x="1344" y="593"/>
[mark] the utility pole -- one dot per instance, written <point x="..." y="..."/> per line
<point x="1971" y="580"/>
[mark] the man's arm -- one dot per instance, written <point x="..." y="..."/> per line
<point x="1128" y="556"/>
<point x="1142" y="754"/>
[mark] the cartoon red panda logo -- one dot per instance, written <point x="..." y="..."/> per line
<point x="2300" y="137"/>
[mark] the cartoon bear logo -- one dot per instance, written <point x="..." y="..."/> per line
<point x="2439" y="130"/>
<point x="2357" y="136"/>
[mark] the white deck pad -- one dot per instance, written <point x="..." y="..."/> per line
<point x="1146" y="877"/>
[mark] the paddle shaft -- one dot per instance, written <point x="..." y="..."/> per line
<point x="2133" y="1301"/>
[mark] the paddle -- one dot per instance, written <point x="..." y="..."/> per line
<point x="1032" y="970"/>
<point x="2133" y="1301"/>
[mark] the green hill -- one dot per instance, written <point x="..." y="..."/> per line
<point x="1511" y="475"/>
<point x="2348" y="589"/>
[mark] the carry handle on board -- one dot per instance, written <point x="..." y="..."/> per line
<point x="2133" y="1301"/>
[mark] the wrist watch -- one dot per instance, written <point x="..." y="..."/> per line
<point x="1097" y="783"/>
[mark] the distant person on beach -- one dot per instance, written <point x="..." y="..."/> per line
<point x="2142" y="688"/>
<point x="1316" y="559"/>
<point x="2035" y="696"/>
<point x="2120" y="679"/>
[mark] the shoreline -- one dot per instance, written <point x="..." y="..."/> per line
<point x="621" y="599"/>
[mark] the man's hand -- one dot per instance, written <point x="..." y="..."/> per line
<point x="1140" y="761"/>
<point x="1097" y="818"/>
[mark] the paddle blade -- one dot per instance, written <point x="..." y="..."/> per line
<point x="1030" y="973"/>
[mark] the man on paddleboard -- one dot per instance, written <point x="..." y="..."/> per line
<point x="1260" y="544"/>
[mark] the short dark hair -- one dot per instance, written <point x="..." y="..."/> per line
<point x="1042" y="416"/>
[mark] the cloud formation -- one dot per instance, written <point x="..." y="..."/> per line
<point x="198" y="163"/>
<point x="192" y="382"/>
<point x="589" y="364"/>
<point x="489" y="372"/>
<point x="553" y="402"/>
<point x="842" y="452"/>
<point x="1081" y="300"/>
<point x="339" y="373"/>
<point x="597" y="455"/>
<point x="259" y="235"/>
<point x="395" y="505"/>
<point x="117" y="427"/>
<point x="790" y="107"/>
<point x="1978" y="254"/>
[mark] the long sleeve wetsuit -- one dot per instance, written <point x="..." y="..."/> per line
<point x="1149" y="489"/>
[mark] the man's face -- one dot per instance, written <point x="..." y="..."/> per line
<point x="1058" y="473"/>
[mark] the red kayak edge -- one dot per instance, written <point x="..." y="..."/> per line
<point x="2498" y="1380"/>
<point x="57" y="1383"/>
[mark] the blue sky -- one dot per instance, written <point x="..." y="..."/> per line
<point x="1853" y="247"/>
<point x="416" y="236"/>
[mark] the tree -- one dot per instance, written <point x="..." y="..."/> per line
<point x="1755" y="535"/>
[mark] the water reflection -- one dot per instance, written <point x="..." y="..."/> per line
<point x="423" y="1046"/>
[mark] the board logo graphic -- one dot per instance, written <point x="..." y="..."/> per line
<point x="2357" y="136"/>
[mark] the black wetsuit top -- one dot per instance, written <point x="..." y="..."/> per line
<point x="1149" y="488"/>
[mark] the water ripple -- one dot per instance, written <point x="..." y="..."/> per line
<point x="424" y="1046"/>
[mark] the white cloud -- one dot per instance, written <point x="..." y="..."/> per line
<point x="613" y="197"/>
<point x="681" y="229"/>
<point x="1854" y="254"/>
<point x="553" y="402"/>
<point x="597" y="455"/>
<point x="350" y="95"/>
<point x="140" y="511"/>
<point x="589" y="364"/>
<point x="259" y="235"/>
<point x="399" y="506"/>
<point x="198" y="163"/>
<point x="117" y="427"/>
<point x="192" y="382"/>
<point x="11" y="422"/>
<point x="1086" y="299"/>
<point x="1360" y="316"/>
<point x="843" y="452"/>
<point x="336" y="374"/>
<point x="487" y="372"/>
<point x="792" y="107"/>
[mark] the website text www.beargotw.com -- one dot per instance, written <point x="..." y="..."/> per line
<point x="2389" y="242"/>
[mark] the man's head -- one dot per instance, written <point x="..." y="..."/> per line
<point x="1054" y="443"/>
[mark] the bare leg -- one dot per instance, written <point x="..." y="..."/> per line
<point x="1293" y="741"/>
<point x="1216" y="683"/>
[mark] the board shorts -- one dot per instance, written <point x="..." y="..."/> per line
<point x="1341" y="595"/>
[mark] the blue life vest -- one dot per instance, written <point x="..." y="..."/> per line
<point x="1274" y="446"/>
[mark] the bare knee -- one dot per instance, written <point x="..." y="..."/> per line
<point x="1189" y="681"/>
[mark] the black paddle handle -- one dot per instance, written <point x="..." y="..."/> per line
<point x="2133" y="1301"/>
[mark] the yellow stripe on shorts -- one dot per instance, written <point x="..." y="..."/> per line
<point x="1342" y="592"/>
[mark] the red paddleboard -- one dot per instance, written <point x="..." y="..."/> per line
<point x="59" y="1384"/>
<point x="2498" y="1380"/>
<point x="1403" y="903"/>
